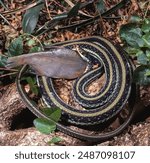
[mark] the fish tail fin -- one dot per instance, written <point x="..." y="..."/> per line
<point x="14" y="62"/>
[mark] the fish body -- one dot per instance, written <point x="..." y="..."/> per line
<point x="58" y="62"/>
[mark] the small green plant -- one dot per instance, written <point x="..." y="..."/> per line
<point x="47" y="126"/>
<point x="55" y="139"/>
<point x="136" y="36"/>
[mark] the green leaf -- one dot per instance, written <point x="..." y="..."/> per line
<point x="56" y="115"/>
<point x="16" y="47"/>
<point x="137" y="31"/>
<point x="44" y="126"/>
<point x="146" y="26"/>
<point x="30" y="18"/>
<point x="132" y="50"/>
<point x="55" y="139"/>
<point x="101" y="6"/>
<point x="132" y="35"/>
<point x="148" y="55"/>
<point x="146" y="39"/>
<point x="31" y="42"/>
<point x="142" y="58"/>
<point x="74" y="10"/>
<point x="135" y="19"/>
<point x="147" y="73"/>
<point x="33" y="87"/>
<point x="127" y="28"/>
<point x="140" y="75"/>
<point x="35" y="49"/>
<point x="134" y="40"/>
<point x="53" y="113"/>
<point x="3" y="61"/>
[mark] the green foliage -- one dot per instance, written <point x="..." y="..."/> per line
<point x="101" y="6"/>
<point x="136" y="36"/>
<point x="31" y="42"/>
<point x="53" y="113"/>
<point x="35" y="49"/>
<point x="48" y="126"/>
<point x="146" y="26"/>
<point x="142" y="75"/>
<point x="44" y="126"/>
<point x="31" y="17"/>
<point x="3" y="61"/>
<point x="23" y="44"/>
<point x="16" y="47"/>
<point x="74" y="10"/>
<point x="135" y="19"/>
<point x="54" y="140"/>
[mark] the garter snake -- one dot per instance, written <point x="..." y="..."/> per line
<point x="97" y="108"/>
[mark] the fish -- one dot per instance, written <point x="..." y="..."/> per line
<point x="56" y="62"/>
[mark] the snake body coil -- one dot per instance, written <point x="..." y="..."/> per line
<point x="97" y="108"/>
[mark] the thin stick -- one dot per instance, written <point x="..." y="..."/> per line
<point x="6" y="69"/>
<point x="7" y="22"/>
<point x="46" y="3"/>
<point x="12" y="73"/>
<point x="145" y="14"/>
<point x="69" y="3"/>
<point x="20" y="9"/>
